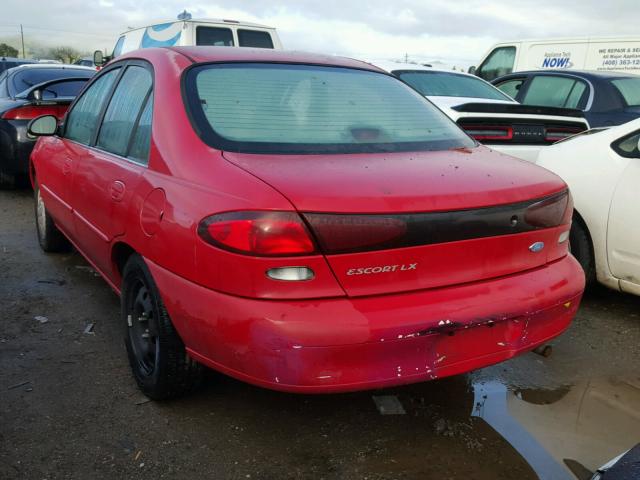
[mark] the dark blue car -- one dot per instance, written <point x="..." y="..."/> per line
<point x="607" y="98"/>
<point x="26" y="92"/>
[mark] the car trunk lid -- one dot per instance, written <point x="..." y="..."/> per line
<point x="407" y="221"/>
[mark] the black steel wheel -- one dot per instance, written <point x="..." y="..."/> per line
<point x="159" y="362"/>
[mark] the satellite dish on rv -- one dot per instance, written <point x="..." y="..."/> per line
<point x="184" y="16"/>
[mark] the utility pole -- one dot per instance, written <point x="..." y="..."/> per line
<point x="406" y="58"/>
<point x="22" y="37"/>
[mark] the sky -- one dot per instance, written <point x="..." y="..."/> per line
<point x="455" y="32"/>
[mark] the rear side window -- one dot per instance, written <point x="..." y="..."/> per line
<point x="82" y="120"/>
<point x="124" y="109"/>
<point x="283" y="108"/>
<point x="628" y="146"/>
<point x="554" y="91"/>
<point x="511" y="87"/>
<point x="629" y="88"/>
<point x="443" y="84"/>
<point x="499" y="62"/>
<point x="139" y="150"/>
<point x="254" y="38"/>
<point x="214" y="37"/>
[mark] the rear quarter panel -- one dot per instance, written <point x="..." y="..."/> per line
<point x="591" y="169"/>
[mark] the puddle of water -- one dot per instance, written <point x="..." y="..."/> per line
<point x="567" y="432"/>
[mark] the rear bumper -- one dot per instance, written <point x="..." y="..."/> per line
<point x="15" y="147"/>
<point x="346" y="344"/>
<point x="524" y="152"/>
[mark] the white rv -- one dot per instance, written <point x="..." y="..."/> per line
<point x="618" y="54"/>
<point x="190" y="32"/>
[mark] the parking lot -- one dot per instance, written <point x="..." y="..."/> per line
<point x="70" y="408"/>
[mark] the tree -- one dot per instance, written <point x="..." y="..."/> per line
<point x="8" y="50"/>
<point x="64" y="54"/>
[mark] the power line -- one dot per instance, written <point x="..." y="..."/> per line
<point x="31" y="27"/>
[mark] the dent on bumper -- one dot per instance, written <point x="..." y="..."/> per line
<point x="343" y="344"/>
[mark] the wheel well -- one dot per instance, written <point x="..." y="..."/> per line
<point x="120" y="254"/>
<point x="583" y="224"/>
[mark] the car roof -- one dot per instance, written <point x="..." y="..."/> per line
<point x="33" y="66"/>
<point x="245" y="54"/>
<point x="214" y="21"/>
<point x="16" y="59"/>
<point x="391" y="66"/>
<point x="587" y="74"/>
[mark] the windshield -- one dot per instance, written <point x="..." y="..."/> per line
<point x="629" y="88"/>
<point x="284" y="108"/>
<point x="28" y="77"/>
<point x="445" y="84"/>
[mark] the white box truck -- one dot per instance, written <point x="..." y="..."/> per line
<point x="619" y="54"/>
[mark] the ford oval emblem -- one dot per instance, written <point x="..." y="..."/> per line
<point x="537" y="247"/>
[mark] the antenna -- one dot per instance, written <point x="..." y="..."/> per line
<point x="184" y="16"/>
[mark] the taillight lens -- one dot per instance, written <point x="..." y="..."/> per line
<point x="259" y="233"/>
<point x="554" y="134"/>
<point x="29" y="112"/>
<point x="550" y="212"/>
<point x="352" y="233"/>
<point x="489" y="132"/>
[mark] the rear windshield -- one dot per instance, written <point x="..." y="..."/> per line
<point x="214" y="37"/>
<point x="444" y="84"/>
<point x="629" y="88"/>
<point x="27" y="78"/>
<point x="285" y="108"/>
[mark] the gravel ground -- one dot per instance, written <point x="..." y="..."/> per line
<point x="69" y="407"/>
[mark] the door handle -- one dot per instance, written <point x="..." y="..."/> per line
<point x="117" y="190"/>
<point x="66" y="166"/>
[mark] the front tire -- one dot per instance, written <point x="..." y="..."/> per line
<point x="159" y="362"/>
<point x="582" y="249"/>
<point x="49" y="237"/>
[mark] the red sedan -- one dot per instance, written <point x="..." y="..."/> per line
<point x="300" y="222"/>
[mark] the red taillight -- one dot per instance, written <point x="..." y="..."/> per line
<point x="554" y="134"/>
<point x="260" y="233"/>
<point x="352" y="233"/>
<point x="29" y="112"/>
<point x="489" y="132"/>
<point x="550" y="212"/>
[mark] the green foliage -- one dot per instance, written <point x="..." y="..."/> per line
<point x="64" y="54"/>
<point x="8" y="50"/>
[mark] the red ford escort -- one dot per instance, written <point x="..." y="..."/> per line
<point x="301" y="222"/>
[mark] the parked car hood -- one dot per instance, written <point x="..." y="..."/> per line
<point x="400" y="182"/>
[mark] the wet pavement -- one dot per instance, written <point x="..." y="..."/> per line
<point x="70" y="409"/>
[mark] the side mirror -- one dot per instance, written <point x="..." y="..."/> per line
<point x="43" y="126"/>
<point x="472" y="70"/>
<point x="638" y="145"/>
<point x="98" y="58"/>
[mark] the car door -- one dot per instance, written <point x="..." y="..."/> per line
<point x="59" y="154"/>
<point x="623" y="232"/>
<point x="105" y="181"/>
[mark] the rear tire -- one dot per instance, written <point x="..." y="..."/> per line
<point x="7" y="181"/>
<point x="49" y="237"/>
<point x="158" y="358"/>
<point x="582" y="249"/>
